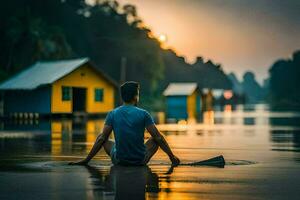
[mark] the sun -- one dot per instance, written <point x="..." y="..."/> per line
<point x="162" y="38"/>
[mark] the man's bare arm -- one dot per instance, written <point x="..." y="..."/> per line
<point x="160" y="140"/>
<point x="101" y="139"/>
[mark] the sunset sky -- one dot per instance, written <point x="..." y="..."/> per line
<point x="239" y="34"/>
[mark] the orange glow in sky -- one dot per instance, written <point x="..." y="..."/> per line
<point x="162" y="38"/>
<point x="241" y="35"/>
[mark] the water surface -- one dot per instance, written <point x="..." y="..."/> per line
<point x="261" y="149"/>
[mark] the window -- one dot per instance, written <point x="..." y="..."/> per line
<point x="66" y="93"/>
<point x="98" y="94"/>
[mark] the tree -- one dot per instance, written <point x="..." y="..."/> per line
<point x="284" y="79"/>
<point x="29" y="39"/>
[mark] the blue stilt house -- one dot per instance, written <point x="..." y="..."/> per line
<point x="183" y="100"/>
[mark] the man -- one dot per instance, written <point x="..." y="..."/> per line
<point x="128" y="123"/>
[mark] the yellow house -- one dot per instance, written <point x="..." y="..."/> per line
<point x="60" y="87"/>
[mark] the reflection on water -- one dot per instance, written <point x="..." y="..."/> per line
<point x="286" y="140"/>
<point x="208" y="117"/>
<point x="250" y="132"/>
<point x="123" y="182"/>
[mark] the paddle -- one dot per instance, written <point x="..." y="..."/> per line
<point x="217" y="161"/>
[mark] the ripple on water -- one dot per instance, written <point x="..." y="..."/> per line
<point x="240" y="162"/>
<point x="63" y="165"/>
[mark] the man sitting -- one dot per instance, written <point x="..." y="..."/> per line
<point x="128" y="123"/>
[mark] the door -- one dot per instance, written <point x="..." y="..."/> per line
<point x="79" y="99"/>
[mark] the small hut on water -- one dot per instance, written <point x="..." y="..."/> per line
<point x="59" y="87"/>
<point x="183" y="100"/>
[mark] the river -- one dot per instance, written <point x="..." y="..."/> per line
<point x="261" y="148"/>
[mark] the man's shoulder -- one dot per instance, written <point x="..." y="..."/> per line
<point x="137" y="109"/>
<point x="142" y="110"/>
<point x="115" y="109"/>
<point x="111" y="112"/>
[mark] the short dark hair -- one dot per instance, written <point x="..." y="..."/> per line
<point x="129" y="90"/>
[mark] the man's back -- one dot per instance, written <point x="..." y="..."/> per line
<point x="129" y="124"/>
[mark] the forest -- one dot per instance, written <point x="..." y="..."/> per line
<point x="112" y="35"/>
<point x="284" y="82"/>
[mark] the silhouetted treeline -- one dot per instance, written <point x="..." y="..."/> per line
<point x="248" y="90"/>
<point x="110" y="34"/>
<point x="285" y="81"/>
<point x="206" y="74"/>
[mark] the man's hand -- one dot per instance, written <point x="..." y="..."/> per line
<point x="82" y="162"/>
<point x="175" y="161"/>
<point x="160" y="140"/>
<point x="101" y="138"/>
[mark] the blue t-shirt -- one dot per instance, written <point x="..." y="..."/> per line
<point x="129" y="123"/>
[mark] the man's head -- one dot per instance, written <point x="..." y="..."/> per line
<point x="130" y="92"/>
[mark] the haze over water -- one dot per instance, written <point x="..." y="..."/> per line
<point x="261" y="149"/>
